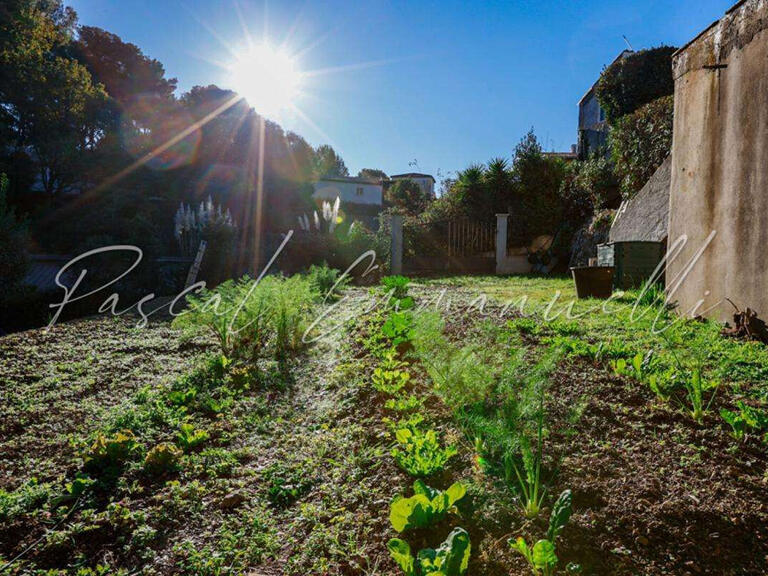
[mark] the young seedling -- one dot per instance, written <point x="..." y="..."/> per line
<point x="542" y="557"/>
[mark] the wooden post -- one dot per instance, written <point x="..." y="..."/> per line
<point x="195" y="268"/>
<point x="396" y="247"/>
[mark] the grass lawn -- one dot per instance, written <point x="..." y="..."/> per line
<point x="144" y="451"/>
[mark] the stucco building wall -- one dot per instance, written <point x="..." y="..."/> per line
<point x="719" y="181"/>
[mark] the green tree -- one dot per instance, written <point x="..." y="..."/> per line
<point x="408" y="196"/>
<point x="126" y="73"/>
<point x="640" y="142"/>
<point x="372" y="174"/>
<point x="471" y="191"/>
<point x="499" y="185"/>
<point x="328" y="163"/>
<point x="537" y="179"/>
<point x="635" y="80"/>
<point x="48" y="102"/>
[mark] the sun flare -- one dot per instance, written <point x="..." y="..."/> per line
<point x="267" y="78"/>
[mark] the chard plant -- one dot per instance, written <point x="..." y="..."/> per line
<point x="450" y="559"/>
<point x="398" y="328"/>
<point x="745" y="420"/>
<point x="542" y="556"/>
<point x="397" y="289"/>
<point x="426" y="507"/>
<point x="419" y="453"/>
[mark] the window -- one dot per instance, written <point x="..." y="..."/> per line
<point x="602" y="114"/>
<point x="359" y="191"/>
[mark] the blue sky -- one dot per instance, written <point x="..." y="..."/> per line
<point x="444" y="83"/>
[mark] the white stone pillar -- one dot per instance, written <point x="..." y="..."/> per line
<point x="501" y="242"/>
<point x="396" y="246"/>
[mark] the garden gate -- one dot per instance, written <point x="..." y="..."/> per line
<point x="459" y="246"/>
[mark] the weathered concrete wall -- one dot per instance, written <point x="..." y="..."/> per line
<point x="719" y="180"/>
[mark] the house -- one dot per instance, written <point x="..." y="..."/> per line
<point x="351" y="190"/>
<point x="425" y="181"/>
<point x="363" y="198"/>
<point x="717" y="197"/>
<point x="593" y="129"/>
<point x="564" y="156"/>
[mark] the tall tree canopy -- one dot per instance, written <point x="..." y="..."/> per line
<point x="328" y="163"/>
<point x="407" y="196"/>
<point x="372" y="173"/>
<point x="49" y="103"/>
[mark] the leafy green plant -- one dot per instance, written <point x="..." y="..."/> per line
<point x="542" y="557"/>
<point x="404" y="403"/>
<point x="637" y="367"/>
<point x="390" y="381"/>
<point x="285" y="485"/>
<point x="26" y="498"/>
<point x="426" y="507"/>
<point x="326" y="282"/>
<point x="189" y="437"/>
<point x="397" y="288"/>
<point x="420" y="453"/>
<point x="450" y="559"/>
<point x="162" y="458"/>
<point x="746" y="419"/>
<point x="696" y="389"/>
<point x="397" y="328"/>
<point x="110" y="452"/>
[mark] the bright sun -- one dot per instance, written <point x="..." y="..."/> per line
<point x="267" y="78"/>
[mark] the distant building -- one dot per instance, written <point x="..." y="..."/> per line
<point x="350" y="190"/>
<point x="425" y="181"/>
<point x="566" y="156"/>
<point x="593" y="129"/>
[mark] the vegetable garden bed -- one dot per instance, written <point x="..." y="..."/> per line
<point x="437" y="430"/>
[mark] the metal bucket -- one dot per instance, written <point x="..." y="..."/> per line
<point x="593" y="281"/>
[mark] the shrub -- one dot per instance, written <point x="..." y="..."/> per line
<point x="635" y="80"/>
<point x="161" y="459"/>
<point x="325" y="283"/>
<point x="13" y="244"/>
<point x="640" y="143"/>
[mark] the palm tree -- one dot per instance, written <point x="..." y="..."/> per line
<point x="472" y="190"/>
<point x="499" y="185"/>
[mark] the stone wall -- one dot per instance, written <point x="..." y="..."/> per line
<point x="719" y="182"/>
<point x="645" y="217"/>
